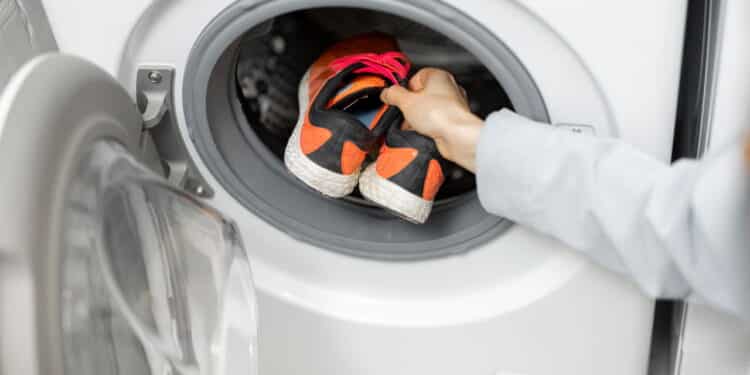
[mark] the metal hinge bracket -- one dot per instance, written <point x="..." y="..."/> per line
<point x="154" y="90"/>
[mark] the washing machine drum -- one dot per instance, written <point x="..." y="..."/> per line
<point x="105" y="268"/>
<point x="239" y="98"/>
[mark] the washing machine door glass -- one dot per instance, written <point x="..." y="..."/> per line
<point x="130" y="274"/>
<point x="168" y="278"/>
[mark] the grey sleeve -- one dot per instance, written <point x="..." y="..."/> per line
<point x="679" y="231"/>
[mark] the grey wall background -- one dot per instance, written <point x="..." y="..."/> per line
<point x="24" y="33"/>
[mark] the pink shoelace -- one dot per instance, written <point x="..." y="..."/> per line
<point x="392" y="65"/>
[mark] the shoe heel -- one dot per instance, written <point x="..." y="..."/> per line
<point x="331" y="184"/>
<point x="393" y="197"/>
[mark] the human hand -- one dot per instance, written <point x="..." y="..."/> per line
<point x="434" y="105"/>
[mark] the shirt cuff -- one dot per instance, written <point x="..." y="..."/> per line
<point x="506" y="156"/>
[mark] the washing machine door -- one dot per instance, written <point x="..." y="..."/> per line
<point x="104" y="267"/>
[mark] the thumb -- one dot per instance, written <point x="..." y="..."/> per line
<point x="396" y="95"/>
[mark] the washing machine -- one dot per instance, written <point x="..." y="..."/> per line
<point x="165" y="145"/>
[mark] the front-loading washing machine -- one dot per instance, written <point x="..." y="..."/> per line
<point x="341" y="287"/>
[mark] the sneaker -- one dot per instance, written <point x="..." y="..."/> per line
<point x="406" y="175"/>
<point x="341" y="116"/>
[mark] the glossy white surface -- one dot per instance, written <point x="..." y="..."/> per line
<point x="731" y="114"/>
<point x="632" y="48"/>
<point x="714" y="343"/>
<point x="495" y="309"/>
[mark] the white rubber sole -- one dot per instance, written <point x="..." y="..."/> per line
<point x="393" y="197"/>
<point x="329" y="183"/>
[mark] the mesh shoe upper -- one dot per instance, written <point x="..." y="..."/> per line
<point x="346" y="78"/>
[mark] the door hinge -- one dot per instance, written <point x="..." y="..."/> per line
<point x="154" y="95"/>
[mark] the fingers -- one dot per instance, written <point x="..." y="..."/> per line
<point x="416" y="83"/>
<point x="430" y="81"/>
<point x="396" y="95"/>
<point x="430" y="76"/>
<point x="436" y="81"/>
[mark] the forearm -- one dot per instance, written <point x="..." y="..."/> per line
<point x="459" y="145"/>
<point x="568" y="185"/>
<point x="674" y="230"/>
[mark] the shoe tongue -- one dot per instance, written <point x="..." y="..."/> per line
<point x="360" y="97"/>
<point x="358" y="88"/>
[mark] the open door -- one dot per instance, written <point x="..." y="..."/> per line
<point x="105" y="268"/>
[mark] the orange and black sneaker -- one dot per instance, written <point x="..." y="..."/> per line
<point x="406" y="175"/>
<point x="341" y="116"/>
